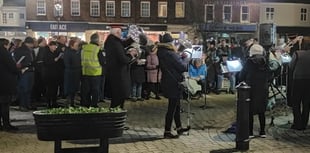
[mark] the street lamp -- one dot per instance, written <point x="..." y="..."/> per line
<point x="58" y="8"/>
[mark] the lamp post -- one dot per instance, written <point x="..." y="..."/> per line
<point x="58" y="8"/>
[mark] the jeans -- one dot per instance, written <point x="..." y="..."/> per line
<point x="173" y="112"/>
<point x="25" y="88"/>
<point x="102" y="84"/>
<point x="90" y="88"/>
<point x="136" y="90"/>
<point x="231" y="78"/>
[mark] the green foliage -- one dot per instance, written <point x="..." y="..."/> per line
<point x="80" y="110"/>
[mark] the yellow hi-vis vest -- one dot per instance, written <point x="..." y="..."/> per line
<point x="90" y="61"/>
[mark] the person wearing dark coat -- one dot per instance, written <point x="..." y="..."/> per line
<point x="255" y="74"/>
<point x="72" y="61"/>
<point x="172" y="67"/>
<point x="137" y="74"/>
<point x="300" y="88"/>
<point x="39" y="86"/>
<point x="51" y="73"/>
<point x="118" y="67"/>
<point x="25" y="55"/>
<point x="61" y="48"/>
<point x="8" y="81"/>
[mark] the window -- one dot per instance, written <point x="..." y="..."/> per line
<point x="125" y="8"/>
<point x="94" y="8"/>
<point x="245" y="14"/>
<point x="58" y="10"/>
<point x="269" y="13"/>
<point x="303" y="14"/>
<point x="41" y="7"/>
<point x="21" y="16"/>
<point x="227" y="13"/>
<point x="110" y="8"/>
<point x="4" y="18"/>
<point x="162" y="9"/>
<point x="145" y="9"/>
<point x="209" y="13"/>
<point x="11" y="15"/>
<point x="75" y="7"/>
<point x="179" y="9"/>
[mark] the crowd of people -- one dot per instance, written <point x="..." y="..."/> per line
<point x="40" y="70"/>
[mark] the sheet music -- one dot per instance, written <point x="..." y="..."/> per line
<point x="20" y="60"/>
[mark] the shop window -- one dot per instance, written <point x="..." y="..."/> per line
<point x="125" y="8"/>
<point x="58" y="10"/>
<point x="110" y="8"/>
<point x="21" y="16"/>
<point x="94" y="8"/>
<point x="162" y="9"/>
<point x="227" y="13"/>
<point x="245" y="14"/>
<point x="269" y="13"/>
<point x="303" y="14"/>
<point x="179" y="9"/>
<point x="4" y="18"/>
<point x="41" y="7"/>
<point x="75" y="7"/>
<point x="209" y="13"/>
<point x="145" y="9"/>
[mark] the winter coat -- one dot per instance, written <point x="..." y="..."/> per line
<point x="8" y="70"/>
<point x="152" y="68"/>
<point x="29" y="57"/>
<point x="137" y="71"/>
<point x="118" y="66"/>
<point x="172" y="67"/>
<point x="52" y="71"/>
<point x="255" y="74"/>
<point x="72" y="61"/>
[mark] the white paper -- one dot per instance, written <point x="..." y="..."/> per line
<point x="20" y="60"/>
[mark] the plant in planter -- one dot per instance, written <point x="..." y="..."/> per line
<point x="58" y="124"/>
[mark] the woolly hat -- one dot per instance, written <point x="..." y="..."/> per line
<point x="256" y="50"/>
<point x="167" y="38"/>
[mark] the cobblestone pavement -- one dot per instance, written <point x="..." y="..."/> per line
<point x="145" y="134"/>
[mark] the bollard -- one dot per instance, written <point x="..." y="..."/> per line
<point x="242" y="132"/>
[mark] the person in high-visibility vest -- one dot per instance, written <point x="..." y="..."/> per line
<point x="91" y="62"/>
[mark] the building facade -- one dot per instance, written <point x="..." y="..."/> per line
<point x="81" y="18"/>
<point x="12" y="19"/>
<point x="289" y="17"/>
<point x="233" y="20"/>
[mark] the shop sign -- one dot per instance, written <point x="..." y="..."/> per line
<point x="228" y="27"/>
<point x="58" y="27"/>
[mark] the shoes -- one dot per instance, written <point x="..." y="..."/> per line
<point x="102" y="100"/>
<point x="133" y="99"/>
<point x="10" y="128"/>
<point x="251" y="136"/>
<point x="217" y="92"/>
<point x="232" y="92"/>
<point x="158" y="98"/>
<point x="140" y="99"/>
<point x="168" y="135"/>
<point x="182" y="130"/>
<point x="295" y="127"/>
<point x="262" y="134"/>
<point x="23" y="109"/>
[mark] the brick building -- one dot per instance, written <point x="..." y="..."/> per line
<point x="83" y="17"/>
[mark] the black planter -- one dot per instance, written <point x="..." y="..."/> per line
<point x="57" y="127"/>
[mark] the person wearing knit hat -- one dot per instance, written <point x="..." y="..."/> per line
<point x="255" y="74"/>
<point x="256" y="50"/>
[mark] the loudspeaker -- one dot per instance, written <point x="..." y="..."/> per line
<point x="267" y="34"/>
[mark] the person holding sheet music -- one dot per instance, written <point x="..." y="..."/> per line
<point x="24" y="56"/>
<point x="172" y="67"/>
<point x="222" y="72"/>
<point x="51" y="75"/>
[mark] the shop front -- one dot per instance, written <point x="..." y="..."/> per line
<point x="12" y="32"/>
<point x="236" y="33"/>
